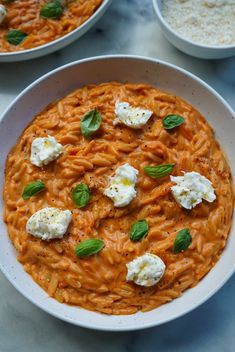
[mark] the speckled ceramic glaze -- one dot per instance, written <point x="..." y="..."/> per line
<point x="58" y="43"/>
<point x="96" y="70"/>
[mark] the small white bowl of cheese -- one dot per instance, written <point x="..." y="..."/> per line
<point x="200" y="28"/>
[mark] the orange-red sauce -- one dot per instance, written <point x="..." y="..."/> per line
<point x="99" y="282"/>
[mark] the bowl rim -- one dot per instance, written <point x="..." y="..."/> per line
<point x="16" y="54"/>
<point x="138" y="326"/>
<point x="187" y="41"/>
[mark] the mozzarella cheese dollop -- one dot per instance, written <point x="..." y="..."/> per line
<point x="3" y="13"/>
<point x="191" y="189"/>
<point x="44" y="150"/>
<point x="146" y="270"/>
<point x="130" y="116"/>
<point x="49" y="223"/>
<point x="121" y="188"/>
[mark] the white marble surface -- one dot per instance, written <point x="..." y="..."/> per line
<point x="128" y="27"/>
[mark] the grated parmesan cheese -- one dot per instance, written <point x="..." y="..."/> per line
<point x="210" y="22"/>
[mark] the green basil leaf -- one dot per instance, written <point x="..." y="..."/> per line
<point x="15" y="37"/>
<point x="183" y="240"/>
<point x="159" y="171"/>
<point x="89" y="247"/>
<point x="33" y="188"/>
<point x="8" y="1"/>
<point x="90" y="123"/>
<point x="52" y="9"/>
<point x="81" y="195"/>
<point x="139" y="230"/>
<point x="171" y="121"/>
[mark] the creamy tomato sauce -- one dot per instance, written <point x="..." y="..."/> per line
<point x="24" y="15"/>
<point x="99" y="282"/>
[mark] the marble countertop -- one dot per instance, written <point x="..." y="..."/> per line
<point x="128" y="27"/>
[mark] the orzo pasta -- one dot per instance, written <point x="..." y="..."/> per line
<point x="98" y="282"/>
<point x="41" y="26"/>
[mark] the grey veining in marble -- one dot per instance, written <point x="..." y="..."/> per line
<point x="129" y="27"/>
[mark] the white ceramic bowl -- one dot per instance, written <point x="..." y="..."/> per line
<point x="57" y="84"/>
<point x="187" y="46"/>
<point x="58" y="43"/>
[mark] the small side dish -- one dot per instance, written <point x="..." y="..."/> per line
<point x="201" y="20"/>
<point x="118" y="198"/>
<point x="26" y="24"/>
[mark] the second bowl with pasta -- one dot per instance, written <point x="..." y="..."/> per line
<point x="31" y="28"/>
